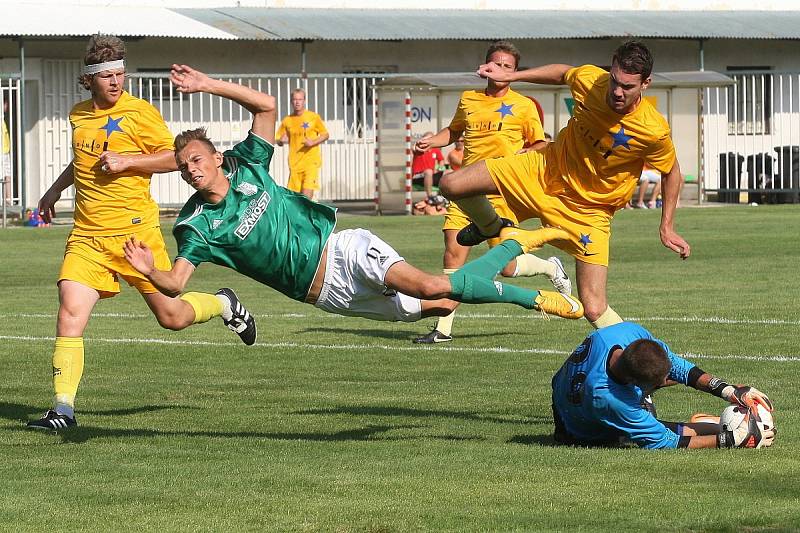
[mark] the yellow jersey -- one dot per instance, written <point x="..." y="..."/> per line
<point x="495" y="126"/>
<point x="115" y="204"/>
<point x="298" y="128"/>
<point x="600" y="154"/>
<point x="6" y="140"/>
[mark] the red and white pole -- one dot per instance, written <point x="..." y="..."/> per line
<point x="377" y="195"/>
<point x="409" y="153"/>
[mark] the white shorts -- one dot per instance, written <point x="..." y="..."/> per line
<point x="649" y="175"/>
<point x="6" y="171"/>
<point x="354" y="274"/>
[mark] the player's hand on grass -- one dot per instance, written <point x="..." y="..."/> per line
<point x="188" y="80"/>
<point x="746" y="396"/>
<point x="113" y="163"/>
<point x="139" y="255"/>
<point x="675" y="242"/>
<point x="47" y="205"/>
<point x="494" y="72"/>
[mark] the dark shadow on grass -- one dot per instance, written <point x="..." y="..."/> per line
<point x="23" y="413"/>
<point x="393" y="335"/>
<point x="423" y="413"/>
<point x="83" y="434"/>
<point x="539" y="440"/>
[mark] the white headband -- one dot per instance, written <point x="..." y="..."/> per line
<point x="100" y="67"/>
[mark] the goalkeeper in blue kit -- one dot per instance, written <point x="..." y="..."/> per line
<point x="598" y="393"/>
<point x="240" y="218"/>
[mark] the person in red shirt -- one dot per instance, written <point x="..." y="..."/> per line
<point x="424" y="166"/>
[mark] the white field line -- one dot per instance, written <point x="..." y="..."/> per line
<point x="469" y="316"/>
<point x="389" y="347"/>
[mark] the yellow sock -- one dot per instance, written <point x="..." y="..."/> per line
<point x="608" y="318"/>
<point x="67" y="372"/>
<point x="482" y="213"/>
<point x="445" y="323"/>
<point x="206" y="306"/>
<point x="530" y="265"/>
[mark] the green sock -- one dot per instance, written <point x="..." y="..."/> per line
<point x="489" y="265"/>
<point x="471" y="289"/>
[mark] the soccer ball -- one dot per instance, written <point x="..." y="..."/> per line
<point x="734" y="416"/>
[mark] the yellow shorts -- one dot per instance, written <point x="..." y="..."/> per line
<point x="522" y="180"/>
<point x="303" y="178"/>
<point x="456" y="219"/>
<point x="99" y="262"/>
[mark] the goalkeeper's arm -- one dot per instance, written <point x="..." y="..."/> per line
<point x="737" y="394"/>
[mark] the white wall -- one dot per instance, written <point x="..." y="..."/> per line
<point x="423" y="56"/>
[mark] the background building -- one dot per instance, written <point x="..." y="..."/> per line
<point x="339" y="54"/>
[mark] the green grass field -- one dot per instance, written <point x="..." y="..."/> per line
<point x="341" y="424"/>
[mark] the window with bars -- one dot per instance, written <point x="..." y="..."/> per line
<point x="750" y="101"/>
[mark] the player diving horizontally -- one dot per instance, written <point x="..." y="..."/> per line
<point x="598" y="392"/>
<point x="240" y="218"/>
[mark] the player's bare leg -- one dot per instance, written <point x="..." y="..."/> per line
<point x="76" y="302"/>
<point x="592" y="281"/>
<point x="469" y="186"/>
<point x="171" y="313"/>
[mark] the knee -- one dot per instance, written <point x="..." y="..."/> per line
<point x="446" y="184"/>
<point x="434" y="288"/>
<point x="172" y="321"/>
<point x="592" y="309"/>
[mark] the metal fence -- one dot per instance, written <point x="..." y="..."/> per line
<point x="751" y="139"/>
<point x="345" y="102"/>
<point x="10" y="143"/>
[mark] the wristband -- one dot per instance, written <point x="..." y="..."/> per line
<point x="716" y="386"/>
<point x="694" y="375"/>
<point x="725" y="439"/>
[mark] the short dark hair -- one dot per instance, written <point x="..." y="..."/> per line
<point x="634" y="57"/>
<point x="503" y="46"/>
<point x="645" y="362"/>
<point x="198" y="134"/>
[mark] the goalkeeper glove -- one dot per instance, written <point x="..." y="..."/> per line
<point x="746" y="396"/>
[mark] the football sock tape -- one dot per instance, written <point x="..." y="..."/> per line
<point x="67" y="371"/>
<point x="206" y="306"/>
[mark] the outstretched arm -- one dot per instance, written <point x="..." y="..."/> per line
<point x="670" y="190"/>
<point x="169" y="282"/>
<point x="546" y="74"/>
<point x="444" y="137"/>
<point x="262" y="106"/>
<point x="48" y="201"/>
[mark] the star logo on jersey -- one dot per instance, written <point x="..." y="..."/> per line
<point x="112" y="125"/>
<point x="505" y="109"/>
<point x="306" y="125"/>
<point x="248" y="189"/>
<point x="620" y="139"/>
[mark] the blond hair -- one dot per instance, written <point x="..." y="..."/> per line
<point x="198" y="134"/>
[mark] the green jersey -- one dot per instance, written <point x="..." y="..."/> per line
<point x="259" y="229"/>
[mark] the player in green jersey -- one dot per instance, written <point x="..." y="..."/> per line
<point x="240" y="218"/>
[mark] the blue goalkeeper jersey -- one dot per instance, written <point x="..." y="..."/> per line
<point x="260" y="229"/>
<point x="595" y="408"/>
